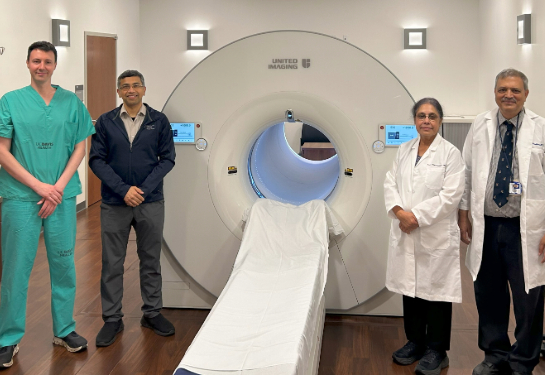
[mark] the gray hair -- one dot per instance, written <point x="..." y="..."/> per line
<point x="130" y="73"/>
<point x="511" y="73"/>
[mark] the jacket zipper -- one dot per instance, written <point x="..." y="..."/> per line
<point x="135" y="136"/>
<point x="130" y="163"/>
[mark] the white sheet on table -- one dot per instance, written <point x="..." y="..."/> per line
<point x="265" y="316"/>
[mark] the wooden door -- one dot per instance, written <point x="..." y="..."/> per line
<point x="101" y="66"/>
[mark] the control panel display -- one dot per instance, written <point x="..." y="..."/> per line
<point x="398" y="134"/>
<point x="183" y="132"/>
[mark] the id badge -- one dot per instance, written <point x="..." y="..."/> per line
<point x="515" y="188"/>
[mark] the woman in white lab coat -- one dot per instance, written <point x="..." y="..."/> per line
<point x="422" y="191"/>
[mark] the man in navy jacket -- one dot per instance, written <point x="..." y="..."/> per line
<point x="131" y="153"/>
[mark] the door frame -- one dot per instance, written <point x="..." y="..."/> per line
<point x="85" y="35"/>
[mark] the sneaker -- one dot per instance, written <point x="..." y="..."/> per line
<point x="6" y="355"/>
<point x="488" y="368"/>
<point x="408" y="354"/>
<point x="432" y="362"/>
<point x="73" y="342"/>
<point x="106" y="335"/>
<point x="159" y="324"/>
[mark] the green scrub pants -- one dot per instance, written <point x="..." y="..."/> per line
<point x="21" y="227"/>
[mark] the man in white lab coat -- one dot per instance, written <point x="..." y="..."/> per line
<point x="505" y="192"/>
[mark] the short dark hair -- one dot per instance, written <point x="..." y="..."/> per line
<point x="42" y="46"/>
<point x="510" y="72"/>
<point x="130" y="73"/>
<point x="434" y="102"/>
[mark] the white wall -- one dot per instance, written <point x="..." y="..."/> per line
<point x="447" y="70"/>
<point x="500" y="49"/>
<point x="26" y="21"/>
<point x="469" y="41"/>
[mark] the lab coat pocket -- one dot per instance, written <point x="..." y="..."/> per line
<point x="435" y="175"/>
<point x="436" y="236"/>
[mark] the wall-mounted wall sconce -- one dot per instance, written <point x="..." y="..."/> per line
<point x="415" y="38"/>
<point x="2" y="49"/>
<point x="197" y="39"/>
<point x="524" y="29"/>
<point x="61" y="33"/>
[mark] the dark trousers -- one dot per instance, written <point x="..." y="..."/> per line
<point x="116" y="221"/>
<point x="501" y="267"/>
<point x="427" y="323"/>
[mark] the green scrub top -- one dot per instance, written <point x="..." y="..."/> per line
<point x="43" y="138"/>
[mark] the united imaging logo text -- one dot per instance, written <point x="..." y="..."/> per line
<point x="283" y="64"/>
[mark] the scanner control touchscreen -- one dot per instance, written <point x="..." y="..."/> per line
<point x="183" y="132"/>
<point x="398" y="134"/>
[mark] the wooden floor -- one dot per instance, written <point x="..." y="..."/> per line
<point x="351" y="344"/>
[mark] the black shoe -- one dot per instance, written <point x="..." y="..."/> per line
<point x="488" y="368"/>
<point x="432" y="362"/>
<point x="159" y="324"/>
<point x="106" y="335"/>
<point x="6" y="355"/>
<point x="408" y="354"/>
<point x="73" y="342"/>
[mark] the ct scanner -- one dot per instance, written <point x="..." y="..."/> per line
<point x="239" y="96"/>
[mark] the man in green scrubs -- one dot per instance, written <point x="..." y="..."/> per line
<point x="42" y="142"/>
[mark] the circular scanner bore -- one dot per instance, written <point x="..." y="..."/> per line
<point x="277" y="172"/>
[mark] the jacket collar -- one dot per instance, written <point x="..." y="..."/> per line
<point x="115" y="115"/>
<point x="148" y="118"/>
<point x="491" y="128"/>
<point x="142" y="111"/>
<point x="526" y="127"/>
<point x="414" y="149"/>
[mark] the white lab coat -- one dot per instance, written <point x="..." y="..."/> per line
<point x="477" y="154"/>
<point x="426" y="262"/>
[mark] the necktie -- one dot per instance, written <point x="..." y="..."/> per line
<point x="503" y="174"/>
